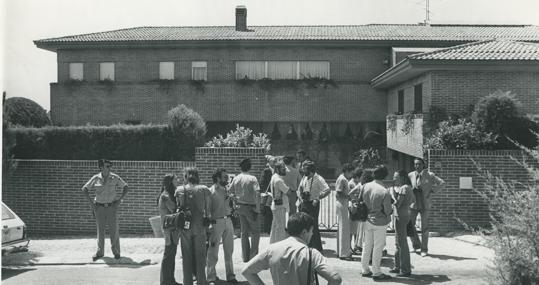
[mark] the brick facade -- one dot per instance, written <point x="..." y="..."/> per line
<point x="456" y="91"/>
<point x="465" y="204"/>
<point x="136" y="95"/>
<point x="47" y="194"/>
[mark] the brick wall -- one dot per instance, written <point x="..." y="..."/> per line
<point x="136" y="96"/>
<point x="457" y="90"/>
<point x="47" y="194"/>
<point x="220" y="101"/>
<point x="452" y="203"/>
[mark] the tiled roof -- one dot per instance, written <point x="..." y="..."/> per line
<point x="484" y="50"/>
<point x="374" y="32"/>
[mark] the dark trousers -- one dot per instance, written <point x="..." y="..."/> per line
<point x="193" y="244"/>
<point x="292" y="198"/>
<point x="313" y="211"/>
<point x="402" y="252"/>
<point x="424" y="242"/>
<point x="268" y="218"/>
<point x="168" y="264"/>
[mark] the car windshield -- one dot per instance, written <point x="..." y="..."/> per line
<point x="6" y="213"/>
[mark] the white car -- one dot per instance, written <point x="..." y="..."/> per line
<point x="14" y="237"/>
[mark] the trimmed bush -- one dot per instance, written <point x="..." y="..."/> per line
<point x="186" y="123"/>
<point x="21" y="111"/>
<point x="240" y="137"/>
<point x="499" y="114"/>
<point x="119" y="142"/>
<point x="462" y="135"/>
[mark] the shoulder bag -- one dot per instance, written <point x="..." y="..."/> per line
<point x="358" y="209"/>
<point x="178" y="219"/>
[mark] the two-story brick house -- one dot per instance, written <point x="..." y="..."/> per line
<point x="300" y="79"/>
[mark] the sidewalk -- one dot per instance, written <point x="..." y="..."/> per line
<point x="453" y="260"/>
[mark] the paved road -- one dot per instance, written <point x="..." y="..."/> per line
<point x="452" y="261"/>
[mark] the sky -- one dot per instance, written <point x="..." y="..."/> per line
<point x="26" y="71"/>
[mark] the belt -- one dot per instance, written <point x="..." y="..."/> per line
<point x="246" y="204"/>
<point x="104" y="204"/>
<point x="225" y="217"/>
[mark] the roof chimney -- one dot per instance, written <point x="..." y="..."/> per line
<point x="241" y="18"/>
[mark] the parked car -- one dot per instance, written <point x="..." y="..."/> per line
<point x="14" y="237"/>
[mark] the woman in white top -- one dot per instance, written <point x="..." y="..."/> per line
<point x="279" y="206"/>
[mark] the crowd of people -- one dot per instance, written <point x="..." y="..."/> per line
<point x="288" y="201"/>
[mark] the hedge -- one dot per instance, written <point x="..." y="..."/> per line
<point x="118" y="142"/>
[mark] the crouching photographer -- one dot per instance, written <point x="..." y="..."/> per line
<point x="312" y="188"/>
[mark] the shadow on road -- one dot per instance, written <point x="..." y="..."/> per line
<point x="450" y="257"/>
<point x="124" y="261"/>
<point x="10" y="272"/>
<point x="21" y="258"/>
<point x="422" y="279"/>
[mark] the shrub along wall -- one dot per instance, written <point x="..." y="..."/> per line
<point x="120" y="142"/>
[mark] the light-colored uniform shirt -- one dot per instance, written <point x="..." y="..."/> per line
<point x="278" y="190"/>
<point x="378" y="201"/>
<point x="288" y="262"/>
<point x="292" y="178"/>
<point x="220" y="202"/>
<point x="316" y="186"/>
<point x="245" y="187"/>
<point x="341" y="186"/>
<point x="105" y="190"/>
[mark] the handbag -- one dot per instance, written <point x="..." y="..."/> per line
<point x="358" y="209"/>
<point x="277" y="201"/>
<point x="181" y="219"/>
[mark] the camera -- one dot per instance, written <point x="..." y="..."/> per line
<point x="305" y="196"/>
<point x="278" y="202"/>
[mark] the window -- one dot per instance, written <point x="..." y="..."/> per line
<point x="166" y="70"/>
<point x="313" y="69"/>
<point x="106" y="71"/>
<point x="250" y="70"/>
<point x="199" y="70"/>
<point x="6" y="214"/>
<point x="400" y="102"/>
<point x="281" y="69"/>
<point x="76" y="71"/>
<point x="418" y="98"/>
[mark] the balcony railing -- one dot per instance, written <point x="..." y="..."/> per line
<point x="405" y="133"/>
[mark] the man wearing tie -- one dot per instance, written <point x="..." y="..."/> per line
<point x="424" y="183"/>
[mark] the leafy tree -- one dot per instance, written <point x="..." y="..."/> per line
<point x="499" y="114"/>
<point x="367" y="158"/>
<point x="25" y="112"/>
<point x="187" y="123"/>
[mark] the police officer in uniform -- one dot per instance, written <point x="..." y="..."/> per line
<point x="105" y="205"/>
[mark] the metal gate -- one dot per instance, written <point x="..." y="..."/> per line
<point x="328" y="213"/>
